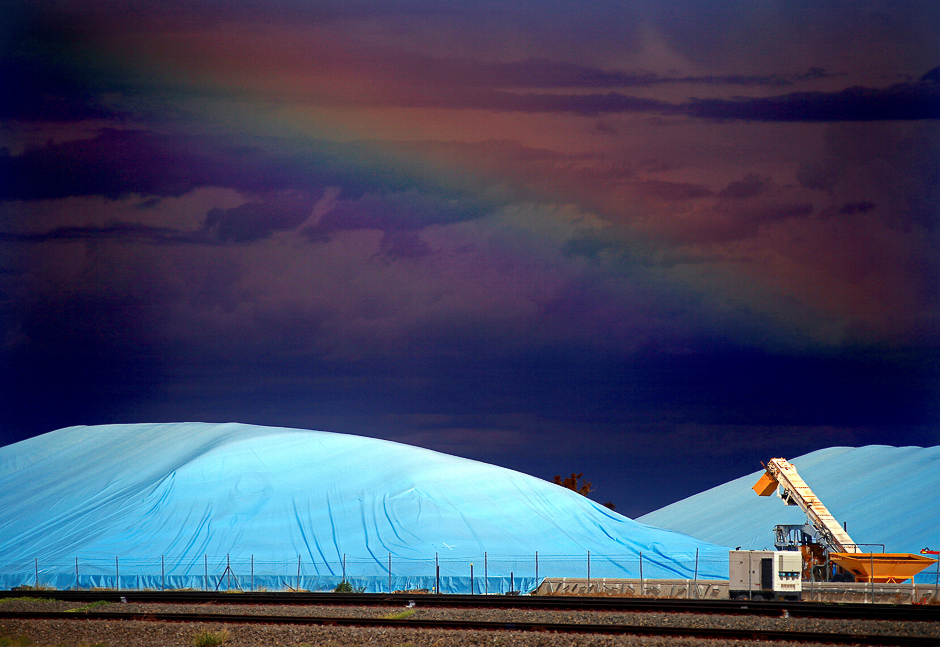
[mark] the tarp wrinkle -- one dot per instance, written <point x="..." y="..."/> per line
<point x="181" y="494"/>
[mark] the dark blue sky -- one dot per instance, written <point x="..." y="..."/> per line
<point x="655" y="245"/>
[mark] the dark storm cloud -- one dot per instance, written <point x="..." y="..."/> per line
<point x="904" y="101"/>
<point x="933" y="76"/>
<point x="889" y="165"/>
<point x="150" y="14"/>
<point x="746" y="222"/>
<point x="545" y="73"/>
<point x="121" y="162"/>
<point x="122" y="230"/>
<point x="585" y="104"/>
<point x="724" y="224"/>
<point x="630" y="359"/>
<point x="257" y="220"/>
<point x="404" y="244"/>
<point x="41" y="72"/>
<point x="673" y="191"/>
<point x="284" y="186"/>
<point x="243" y="224"/>
<point x="819" y="176"/>
<point x="748" y="187"/>
<point x="118" y="163"/>
<point x="850" y="208"/>
<point x="47" y="93"/>
<point x="395" y="212"/>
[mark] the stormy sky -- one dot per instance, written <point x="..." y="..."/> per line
<point x="655" y="243"/>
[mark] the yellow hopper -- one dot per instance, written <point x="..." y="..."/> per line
<point x="882" y="567"/>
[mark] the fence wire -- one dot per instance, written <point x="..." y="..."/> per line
<point x="485" y="573"/>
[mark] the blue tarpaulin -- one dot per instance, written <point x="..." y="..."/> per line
<point x="185" y="504"/>
<point x="888" y="498"/>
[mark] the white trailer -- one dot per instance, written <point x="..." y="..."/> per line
<point x="765" y="575"/>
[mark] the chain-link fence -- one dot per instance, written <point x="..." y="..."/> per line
<point x="483" y="574"/>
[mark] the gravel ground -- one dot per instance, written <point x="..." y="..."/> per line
<point x="156" y="634"/>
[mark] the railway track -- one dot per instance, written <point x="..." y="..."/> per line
<point x="464" y="625"/>
<point x="926" y="613"/>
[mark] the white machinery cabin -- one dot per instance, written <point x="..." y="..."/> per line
<point x="764" y="575"/>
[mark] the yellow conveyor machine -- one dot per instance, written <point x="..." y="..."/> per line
<point x="866" y="567"/>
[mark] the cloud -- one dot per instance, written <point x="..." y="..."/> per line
<point x="882" y="163"/>
<point x="36" y="94"/>
<point x="486" y="99"/>
<point x="394" y="212"/>
<point x="396" y="189"/>
<point x="118" y="163"/>
<point x="850" y="208"/>
<point x="817" y="176"/>
<point x="721" y="222"/>
<point x="399" y="216"/>
<point x="404" y="244"/>
<point x="903" y="101"/>
<point x="750" y="186"/>
<point x="933" y="76"/>
<point x="41" y="70"/>
<point x="671" y="191"/>
<point x="306" y="44"/>
<point x="546" y="73"/>
<point x="122" y="230"/>
<point x="605" y="128"/>
<point x="256" y="220"/>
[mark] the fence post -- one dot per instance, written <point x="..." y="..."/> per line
<point x="162" y="574"/>
<point x="695" y="575"/>
<point x="486" y="574"/>
<point x="76" y="572"/>
<point x="642" y="581"/>
<point x="536" y="568"/>
<point x="344" y="567"/>
<point x="117" y="574"/>
<point x="437" y="576"/>
<point x="205" y="582"/>
<point x="37" y="572"/>
<point x="389" y="572"/>
<point x="589" y="573"/>
<point x="471" y="578"/>
<point x="298" y="572"/>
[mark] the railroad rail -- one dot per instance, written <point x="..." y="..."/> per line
<point x="906" y="612"/>
<point x="465" y="625"/>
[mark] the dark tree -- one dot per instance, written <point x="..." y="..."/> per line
<point x="572" y="483"/>
<point x="584" y="489"/>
